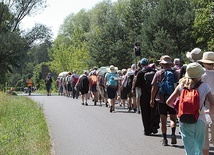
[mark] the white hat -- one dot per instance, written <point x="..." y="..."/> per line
<point x="208" y="57"/>
<point x="112" y="69"/>
<point x="194" y="55"/>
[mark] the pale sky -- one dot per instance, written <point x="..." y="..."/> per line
<point x="57" y="10"/>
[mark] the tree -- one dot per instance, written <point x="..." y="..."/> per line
<point x="203" y="24"/>
<point x="168" y="29"/>
<point x="21" y="8"/>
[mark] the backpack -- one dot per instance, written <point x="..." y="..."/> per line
<point x="48" y="80"/>
<point x="75" y="79"/>
<point x="189" y="105"/>
<point x="68" y="79"/>
<point x="166" y="85"/>
<point x="83" y="82"/>
<point x="129" y="82"/>
<point x="148" y="77"/>
<point x="94" y="79"/>
<point x="112" y="81"/>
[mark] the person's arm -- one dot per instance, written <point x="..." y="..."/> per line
<point x="173" y="97"/>
<point x="211" y="100"/>
<point x="154" y="90"/>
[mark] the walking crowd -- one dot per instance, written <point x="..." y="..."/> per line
<point x="184" y="94"/>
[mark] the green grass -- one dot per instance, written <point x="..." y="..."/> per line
<point x="23" y="128"/>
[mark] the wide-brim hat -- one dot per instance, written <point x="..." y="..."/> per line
<point x="165" y="59"/>
<point x="112" y="69"/>
<point x="208" y="57"/>
<point x="194" y="70"/>
<point x="194" y="55"/>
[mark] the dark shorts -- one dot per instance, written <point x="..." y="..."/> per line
<point x="94" y="88"/>
<point x="164" y="109"/>
<point x="111" y="92"/>
<point x="124" y="93"/>
<point x="69" y="87"/>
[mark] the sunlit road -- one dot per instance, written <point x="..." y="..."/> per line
<point x="93" y="130"/>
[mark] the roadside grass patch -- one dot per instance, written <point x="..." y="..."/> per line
<point x="23" y="128"/>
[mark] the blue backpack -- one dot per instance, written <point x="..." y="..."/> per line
<point x="166" y="85"/>
<point x="112" y="80"/>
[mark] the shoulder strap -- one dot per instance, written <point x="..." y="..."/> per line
<point x="198" y="84"/>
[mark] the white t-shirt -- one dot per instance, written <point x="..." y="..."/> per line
<point x="207" y="77"/>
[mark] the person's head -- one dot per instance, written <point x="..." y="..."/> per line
<point x="165" y="61"/>
<point x="124" y="71"/>
<point x="94" y="72"/>
<point x="208" y="60"/>
<point x="133" y="66"/>
<point x="85" y="72"/>
<point x="177" y="61"/>
<point x="95" y="68"/>
<point x="194" y="71"/>
<point x="112" y="69"/>
<point x="144" y="62"/>
<point x="194" y="55"/>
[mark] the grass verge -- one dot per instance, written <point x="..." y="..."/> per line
<point x="23" y="128"/>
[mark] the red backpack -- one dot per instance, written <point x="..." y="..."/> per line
<point x="189" y="105"/>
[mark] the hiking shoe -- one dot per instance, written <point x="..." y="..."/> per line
<point x="130" y="109"/>
<point x="165" y="142"/>
<point x="86" y="103"/>
<point x="111" y="108"/>
<point x="173" y="139"/>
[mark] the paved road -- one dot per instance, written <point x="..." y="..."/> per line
<point x="93" y="130"/>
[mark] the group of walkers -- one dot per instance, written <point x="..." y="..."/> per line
<point x="157" y="93"/>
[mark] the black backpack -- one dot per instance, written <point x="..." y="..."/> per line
<point x="84" y="81"/>
<point x="129" y="83"/>
<point x="48" y="80"/>
<point x="148" y="77"/>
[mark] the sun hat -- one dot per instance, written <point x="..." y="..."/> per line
<point x="194" y="70"/>
<point x="194" y="55"/>
<point x="165" y="59"/>
<point x="144" y="61"/>
<point x="133" y="66"/>
<point x="112" y="69"/>
<point x="208" y="57"/>
<point x="177" y="61"/>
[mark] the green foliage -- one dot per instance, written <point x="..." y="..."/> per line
<point x="23" y="127"/>
<point x="167" y="29"/>
<point x="203" y="25"/>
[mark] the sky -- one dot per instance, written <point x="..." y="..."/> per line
<point x="56" y="11"/>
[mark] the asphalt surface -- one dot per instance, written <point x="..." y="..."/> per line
<point x="92" y="130"/>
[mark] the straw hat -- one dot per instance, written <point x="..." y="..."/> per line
<point x="194" y="70"/>
<point x="194" y="55"/>
<point x="112" y="69"/>
<point x="165" y="59"/>
<point x="208" y="57"/>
